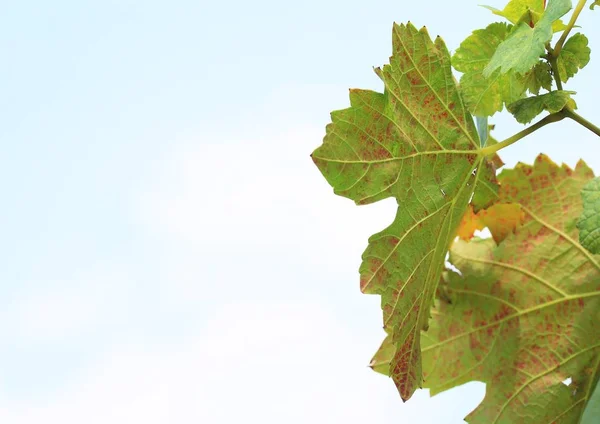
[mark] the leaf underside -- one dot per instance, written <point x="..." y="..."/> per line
<point x="522" y="315"/>
<point x="416" y="142"/>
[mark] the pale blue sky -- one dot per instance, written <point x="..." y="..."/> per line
<point x="171" y="254"/>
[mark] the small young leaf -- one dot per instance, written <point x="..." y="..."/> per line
<point x="525" y="110"/>
<point x="524" y="45"/>
<point x="485" y="96"/>
<point x="524" y="313"/>
<point x="589" y="223"/>
<point x="517" y="10"/>
<point x="415" y="142"/>
<point x="539" y="77"/>
<point x="574" y="55"/>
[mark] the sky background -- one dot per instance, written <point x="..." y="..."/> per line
<point x="170" y="252"/>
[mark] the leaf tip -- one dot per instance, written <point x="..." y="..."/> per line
<point x="314" y="159"/>
<point x="582" y="168"/>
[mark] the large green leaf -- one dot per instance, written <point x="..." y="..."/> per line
<point x="589" y="223"/>
<point x="574" y="55"/>
<point x="415" y="142"/>
<point x="525" y="110"/>
<point x="524" y="46"/>
<point x="522" y="316"/>
<point x="485" y="96"/>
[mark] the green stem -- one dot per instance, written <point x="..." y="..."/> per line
<point x="582" y="121"/>
<point x="554" y="65"/>
<point x="570" y="25"/>
<point x="553" y="117"/>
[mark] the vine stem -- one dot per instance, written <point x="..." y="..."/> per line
<point x="554" y="65"/>
<point x="553" y="117"/>
<point x="570" y="25"/>
<point x="582" y="121"/>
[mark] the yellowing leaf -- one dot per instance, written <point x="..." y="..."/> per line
<point x="469" y="224"/>
<point x="528" y="11"/>
<point x="515" y="9"/>
<point x="522" y="316"/>
<point x="501" y="219"/>
<point x="415" y="142"/>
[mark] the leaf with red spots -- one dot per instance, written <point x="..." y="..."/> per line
<point x="522" y="315"/>
<point x="415" y="142"/>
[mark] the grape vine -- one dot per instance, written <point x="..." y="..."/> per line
<point x="519" y="310"/>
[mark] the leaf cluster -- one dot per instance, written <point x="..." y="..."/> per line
<point x="518" y="310"/>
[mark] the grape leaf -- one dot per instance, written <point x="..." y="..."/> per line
<point x="589" y="223"/>
<point x="539" y="77"/>
<point x="522" y="315"/>
<point x="574" y="55"/>
<point x="525" y="110"/>
<point x="523" y="47"/>
<point x="415" y="142"/>
<point x="469" y="224"/>
<point x="501" y="219"/>
<point x="515" y="10"/>
<point x="485" y="96"/>
<point x="592" y="410"/>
